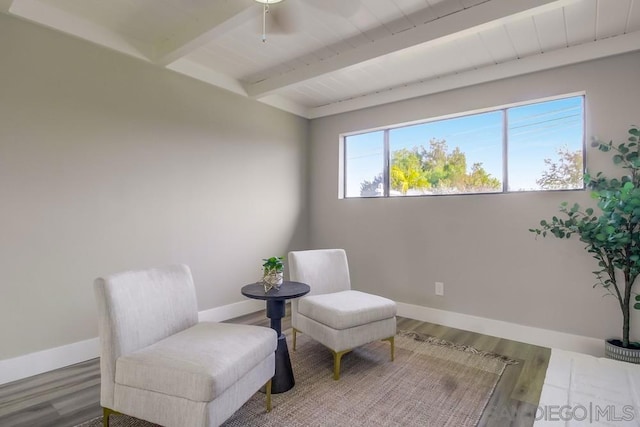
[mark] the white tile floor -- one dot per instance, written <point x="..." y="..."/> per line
<point x="582" y="390"/>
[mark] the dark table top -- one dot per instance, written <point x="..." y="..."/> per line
<point x="288" y="290"/>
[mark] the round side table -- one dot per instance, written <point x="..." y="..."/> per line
<point x="283" y="379"/>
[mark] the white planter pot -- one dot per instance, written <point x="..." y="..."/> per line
<point x="612" y="351"/>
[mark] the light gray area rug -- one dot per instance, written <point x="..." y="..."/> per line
<point x="430" y="383"/>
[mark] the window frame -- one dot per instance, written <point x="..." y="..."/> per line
<point x="342" y="164"/>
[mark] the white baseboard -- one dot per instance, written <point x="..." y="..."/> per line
<point x="31" y="364"/>
<point x="498" y="328"/>
<point x="36" y="363"/>
<point x="47" y="360"/>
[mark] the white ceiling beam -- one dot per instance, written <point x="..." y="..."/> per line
<point x="58" y="19"/>
<point x="557" y="58"/>
<point x="222" y="16"/>
<point x="460" y="24"/>
<point x="193" y="69"/>
<point x="286" y="104"/>
<point x="197" y="71"/>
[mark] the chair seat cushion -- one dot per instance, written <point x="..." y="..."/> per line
<point x="199" y="363"/>
<point x="346" y="309"/>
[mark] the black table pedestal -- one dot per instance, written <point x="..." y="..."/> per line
<point x="283" y="378"/>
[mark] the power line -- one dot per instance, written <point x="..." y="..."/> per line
<point x="544" y="121"/>
<point x="546" y="113"/>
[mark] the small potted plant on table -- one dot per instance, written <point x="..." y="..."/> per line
<point x="272" y="272"/>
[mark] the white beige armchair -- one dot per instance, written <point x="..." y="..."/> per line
<point x="159" y="364"/>
<point x="333" y="314"/>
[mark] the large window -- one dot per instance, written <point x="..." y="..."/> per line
<point x="532" y="147"/>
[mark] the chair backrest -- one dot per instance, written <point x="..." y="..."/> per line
<point x="137" y="309"/>
<point x="324" y="270"/>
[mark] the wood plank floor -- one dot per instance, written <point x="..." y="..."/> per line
<point x="71" y="395"/>
<point x="516" y="396"/>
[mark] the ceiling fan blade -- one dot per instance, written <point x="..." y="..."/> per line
<point x="279" y="19"/>
<point x="284" y="19"/>
<point x="289" y="16"/>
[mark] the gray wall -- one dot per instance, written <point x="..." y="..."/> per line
<point x="108" y="163"/>
<point x="478" y="245"/>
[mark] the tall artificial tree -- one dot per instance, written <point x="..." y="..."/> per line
<point x="611" y="235"/>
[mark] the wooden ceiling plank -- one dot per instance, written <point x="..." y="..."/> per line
<point x="551" y="29"/>
<point x="422" y="16"/>
<point x="499" y="45"/>
<point x="571" y="55"/>
<point x="223" y="16"/>
<point x="581" y="22"/>
<point x="612" y="17"/>
<point x="470" y="3"/>
<point x="368" y="24"/>
<point x="445" y="7"/>
<point x="474" y="51"/>
<point x="483" y="16"/>
<point x="633" y="23"/>
<point x="524" y="38"/>
<point x="410" y="8"/>
<point x="389" y="15"/>
<point x="446" y="60"/>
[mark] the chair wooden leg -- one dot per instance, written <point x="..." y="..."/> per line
<point x="294" y="338"/>
<point x="268" y="393"/>
<point x="337" y="356"/>
<point x="393" y="347"/>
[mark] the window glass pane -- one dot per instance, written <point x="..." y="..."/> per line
<point x="364" y="165"/>
<point x="461" y="155"/>
<point x="546" y="145"/>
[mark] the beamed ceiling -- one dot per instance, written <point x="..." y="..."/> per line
<point x="324" y="57"/>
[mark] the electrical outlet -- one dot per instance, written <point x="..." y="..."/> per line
<point x="440" y="288"/>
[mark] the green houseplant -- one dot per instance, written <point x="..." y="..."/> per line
<point x="272" y="272"/>
<point x="612" y="234"/>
